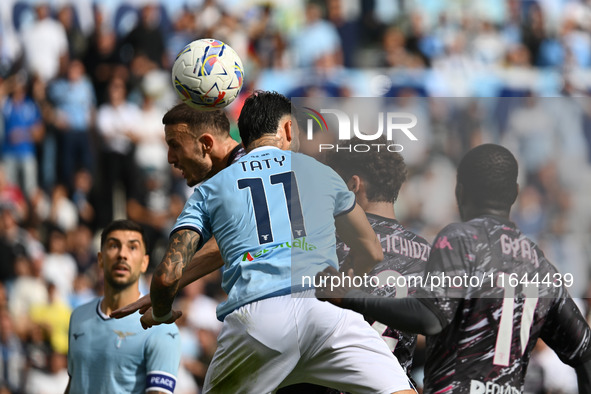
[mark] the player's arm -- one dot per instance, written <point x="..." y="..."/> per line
<point x="182" y="246"/>
<point x="567" y="333"/>
<point x="354" y="229"/>
<point x="162" y="354"/>
<point x="405" y="314"/>
<point x="204" y="262"/>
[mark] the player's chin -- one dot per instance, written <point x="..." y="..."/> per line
<point x="121" y="282"/>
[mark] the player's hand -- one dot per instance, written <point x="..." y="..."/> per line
<point x="334" y="290"/>
<point x="142" y="305"/>
<point x="148" y="321"/>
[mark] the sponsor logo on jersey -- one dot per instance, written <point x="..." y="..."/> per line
<point x="299" y="243"/>
<point x="478" y="387"/>
<point x="443" y="243"/>
<point x="77" y="335"/>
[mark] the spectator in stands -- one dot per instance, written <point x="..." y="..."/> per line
<point x="45" y="44"/>
<point x="116" y="121"/>
<point x="11" y="194"/>
<point x="28" y="289"/>
<point x="53" y="317"/>
<point x="12" y="355"/>
<point x="74" y="102"/>
<point x="146" y="39"/>
<point x="77" y="42"/>
<point x="59" y="267"/>
<point x="322" y="33"/>
<point x="23" y="129"/>
<point x="50" y="381"/>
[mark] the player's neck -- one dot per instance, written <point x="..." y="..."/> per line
<point x="115" y="299"/>
<point x="469" y="213"/>
<point x="268" y="140"/>
<point x="382" y="208"/>
<point x="226" y="149"/>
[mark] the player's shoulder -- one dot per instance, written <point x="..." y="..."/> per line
<point x="459" y="230"/>
<point x="165" y="330"/>
<point x="389" y="226"/>
<point x="89" y="308"/>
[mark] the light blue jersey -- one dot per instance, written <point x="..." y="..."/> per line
<point x="118" y="356"/>
<point x="272" y="214"/>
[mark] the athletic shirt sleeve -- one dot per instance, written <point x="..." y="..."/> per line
<point x="344" y="198"/>
<point x="163" y="357"/>
<point x="566" y="331"/>
<point x="195" y="216"/>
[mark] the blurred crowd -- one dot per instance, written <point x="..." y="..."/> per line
<point x="84" y="85"/>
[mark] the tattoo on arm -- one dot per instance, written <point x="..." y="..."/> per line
<point x="165" y="282"/>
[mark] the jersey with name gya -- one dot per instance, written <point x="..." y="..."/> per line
<point x="494" y="324"/>
<point x="272" y="214"/>
<point x="118" y="356"/>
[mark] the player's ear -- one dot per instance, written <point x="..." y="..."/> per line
<point x="287" y="126"/>
<point x="99" y="258"/>
<point x="285" y="130"/>
<point x="206" y="140"/>
<point x="145" y="263"/>
<point x="354" y="184"/>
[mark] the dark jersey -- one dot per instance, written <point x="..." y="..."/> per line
<point x="405" y="255"/>
<point x="510" y="296"/>
<point x="235" y="154"/>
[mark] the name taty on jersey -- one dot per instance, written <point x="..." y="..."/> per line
<point x="520" y="247"/>
<point x="405" y="247"/>
<point x="253" y="165"/>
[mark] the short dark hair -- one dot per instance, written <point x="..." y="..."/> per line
<point x="488" y="175"/>
<point x="261" y="114"/>
<point x="216" y="122"/>
<point x="123" y="224"/>
<point x="383" y="172"/>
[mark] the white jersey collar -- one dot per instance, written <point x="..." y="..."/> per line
<point x="261" y="148"/>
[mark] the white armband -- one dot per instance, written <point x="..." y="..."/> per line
<point x="163" y="318"/>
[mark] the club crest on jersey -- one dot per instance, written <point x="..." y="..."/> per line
<point x="121" y="337"/>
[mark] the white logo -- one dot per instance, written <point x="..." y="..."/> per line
<point x="389" y="124"/>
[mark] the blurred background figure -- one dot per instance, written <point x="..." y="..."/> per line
<point x="12" y="355"/>
<point x="23" y="130"/>
<point x="73" y="99"/>
<point x="45" y="43"/>
<point x="117" y="120"/>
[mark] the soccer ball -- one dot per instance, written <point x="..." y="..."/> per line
<point x="207" y="74"/>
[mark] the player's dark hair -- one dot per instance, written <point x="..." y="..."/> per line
<point x="261" y="114"/>
<point x="215" y="122"/>
<point x="383" y="172"/>
<point x="123" y="224"/>
<point x="488" y="175"/>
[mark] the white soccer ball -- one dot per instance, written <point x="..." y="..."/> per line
<point x="207" y="74"/>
